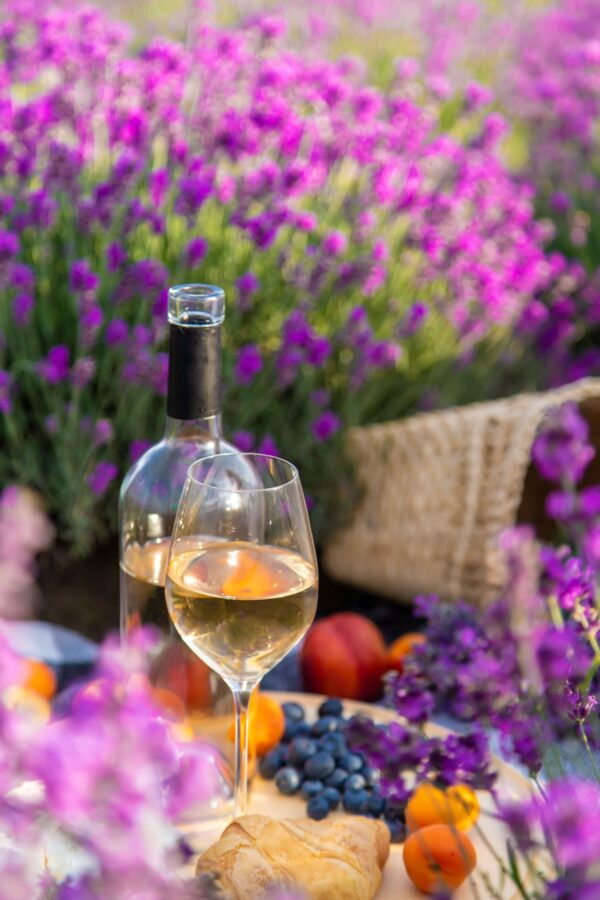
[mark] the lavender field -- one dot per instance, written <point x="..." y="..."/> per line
<point x="401" y="201"/>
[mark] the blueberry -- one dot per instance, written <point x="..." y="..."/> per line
<point x="333" y="797"/>
<point x="331" y="707"/>
<point x="325" y="725"/>
<point x="356" y="801"/>
<point x="352" y="762"/>
<point x="288" y="780"/>
<point x="337" y="778"/>
<point x="395" y="810"/>
<point x="301" y="749"/>
<point x="370" y="775"/>
<point x="294" y="729"/>
<point x="319" y="766"/>
<point x="317" y="807"/>
<point x="397" y="830"/>
<point x="310" y="788"/>
<point x="376" y="805"/>
<point x="329" y="745"/>
<point x="271" y="763"/>
<point x="355" y="782"/>
<point x="293" y="712"/>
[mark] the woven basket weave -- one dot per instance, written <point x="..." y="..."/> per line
<point x="439" y="488"/>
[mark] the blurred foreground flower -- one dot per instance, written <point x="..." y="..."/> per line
<point x="24" y="532"/>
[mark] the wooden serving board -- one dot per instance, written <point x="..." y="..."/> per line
<point x="489" y="835"/>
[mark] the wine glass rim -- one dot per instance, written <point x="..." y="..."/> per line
<point x="293" y="472"/>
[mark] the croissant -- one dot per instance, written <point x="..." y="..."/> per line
<point x="341" y="859"/>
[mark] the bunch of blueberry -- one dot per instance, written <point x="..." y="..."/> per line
<point x="314" y="760"/>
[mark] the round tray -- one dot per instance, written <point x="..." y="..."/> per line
<point x="489" y="835"/>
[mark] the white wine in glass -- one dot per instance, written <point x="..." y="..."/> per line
<point x="242" y="577"/>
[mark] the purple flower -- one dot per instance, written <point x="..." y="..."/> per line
<point x="137" y="450"/>
<point x="5" y="392"/>
<point x="196" y="251"/>
<point x="325" y="425"/>
<point x="249" y="363"/>
<point x="569" y="813"/>
<point x="591" y="547"/>
<point x="101" y="476"/>
<point x="562" y="450"/>
<point x="55" y="367"/>
<point x="561" y="655"/>
<point x="22" y="306"/>
<point x="9" y="245"/>
<point x="115" y="256"/>
<point x="318" y="350"/>
<point x="413" y="320"/>
<point x="103" y="432"/>
<point x="410" y="697"/>
<point x="82" y="372"/>
<point x="82" y="278"/>
<point x="243" y="440"/>
<point x="247" y="284"/>
<point x="334" y="243"/>
<point x="268" y="446"/>
<point x="21" y="277"/>
<point x="117" y="332"/>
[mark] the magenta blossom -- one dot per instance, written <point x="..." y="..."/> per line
<point x="326" y="425"/>
<point x="101" y="477"/>
<point x="249" y="363"/>
<point x="55" y="368"/>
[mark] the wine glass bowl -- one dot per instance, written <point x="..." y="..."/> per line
<point x="242" y="579"/>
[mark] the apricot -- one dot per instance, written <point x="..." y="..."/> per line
<point x="30" y="704"/>
<point x="429" y="805"/>
<point x="266" y="724"/>
<point x="399" y="650"/>
<point x="39" y="678"/>
<point x="438" y="858"/>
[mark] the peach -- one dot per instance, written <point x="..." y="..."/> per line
<point x="344" y="656"/>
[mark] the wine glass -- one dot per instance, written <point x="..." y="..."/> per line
<point x="242" y="578"/>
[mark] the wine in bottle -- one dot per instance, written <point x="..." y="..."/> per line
<point x="150" y="493"/>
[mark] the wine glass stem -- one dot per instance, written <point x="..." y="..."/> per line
<point x="241" y="697"/>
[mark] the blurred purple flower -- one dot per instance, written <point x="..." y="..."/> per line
<point x="117" y="332"/>
<point x="326" y="425"/>
<point x="82" y="372"/>
<point x="101" y="477"/>
<point x="268" y="446"/>
<point x="22" y="307"/>
<point x="248" y="364"/>
<point x="137" y="449"/>
<point x="5" y="392"/>
<point x="9" y="245"/>
<point x="115" y="256"/>
<point x="562" y="450"/>
<point x="413" y="320"/>
<point x="334" y="243"/>
<point x="103" y="432"/>
<point x="82" y="278"/>
<point x="196" y="251"/>
<point x="55" y="367"/>
<point x="243" y="440"/>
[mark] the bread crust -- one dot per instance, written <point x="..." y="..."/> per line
<point x="338" y="859"/>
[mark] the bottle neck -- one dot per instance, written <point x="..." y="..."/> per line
<point x="208" y="427"/>
<point x="194" y="387"/>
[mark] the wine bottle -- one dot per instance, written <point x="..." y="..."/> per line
<point x="150" y="494"/>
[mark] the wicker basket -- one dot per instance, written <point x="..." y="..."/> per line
<point x="438" y="490"/>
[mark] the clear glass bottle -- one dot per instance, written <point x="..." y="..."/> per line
<point x="147" y="505"/>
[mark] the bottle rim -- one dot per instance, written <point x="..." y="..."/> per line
<point x="196" y="305"/>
